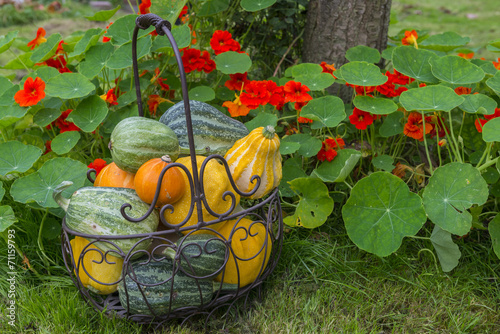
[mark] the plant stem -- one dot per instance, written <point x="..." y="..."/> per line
<point x="488" y="164"/>
<point x="19" y="59"/>
<point x="431" y="168"/>
<point x="485" y="154"/>
<point x="457" y="153"/>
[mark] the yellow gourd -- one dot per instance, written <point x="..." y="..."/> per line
<point x="248" y="239"/>
<point x="215" y="183"/>
<point x="256" y="154"/>
<point x="104" y="272"/>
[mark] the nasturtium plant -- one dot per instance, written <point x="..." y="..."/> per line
<point x="7" y="217"/>
<point x="292" y="169"/>
<point x="2" y="190"/>
<point x="455" y="70"/>
<point x="361" y="73"/>
<point x="431" y="98"/>
<point x="494" y="229"/>
<point x="69" y="86"/>
<point x="384" y="162"/>
<point x="491" y="131"/>
<point x="232" y="62"/>
<point x="414" y="63"/>
<point x="17" y="157"/>
<point x="392" y="125"/>
<point x="338" y="169"/>
<point x="64" y="142"/>
<point x="446" y="250"/>
<point x="89" y="113"/>
<point x="374" y="105"/>
<point x="363" y="53"/>
<point x="478" y="103"/>
<point x="444" y="42"/>
<point x="380" y="212"/>
<point x="325" y="111"/>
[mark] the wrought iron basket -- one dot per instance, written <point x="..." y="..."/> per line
<point x="265" y="215"/>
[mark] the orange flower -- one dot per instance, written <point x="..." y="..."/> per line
<point x="466" y="55"/>
<point x="328" y="68"/>
<point x="39" y="39"/>
<point x="414" y="128"/>
<point x="462" y="90"/>
<point x="296" y="92"/>
<point x="144" y="7"/>
<point x="497" y="64"/>
<point x="33" y="92"/>
<point x="154" y="101"/>
<point x="236" y="108"/>
<point x="410" y="38"/>
<point x="110" y="97"/>
<point x="160" y="81"/>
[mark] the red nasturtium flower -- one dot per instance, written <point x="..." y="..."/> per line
<point x="110" y="97"/>
<point x="160" y="81"/>
<point x="104" y="38"/>
<point x="479" y="123"/>
<point x="236" y="81"/>
<point x="154" y="101"/>
<point x="98" y="165"/>
<point x="222" y="41"/>
<point x="39" y="39"/>
<point x="183" y="15"/>
<point x="328" y="68"/>
<point x="361" y="119"/>
<point x="410" y="38"/>
<point x="144" y="7"/>
<point x="462" y="90"/>
<point x="298" y="106"/>
<point x="414" y="127"/>
<point x="65" y="125"/>
<point x="497" y="64"/>
<point x="256" y="94"/>
<point x="48" y="146"/>
<point x="32" y="92"/>
<point x="466" y="55"/>
<point x="236" y="108"/>
<point x="194" y="59"/>
<point x="296" y="92"/>
<point x="329" y="149"/>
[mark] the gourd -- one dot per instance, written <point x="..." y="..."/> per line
<point x="102" y="267"/>
<point x="146" y="181"/>
<point x="256" y="154"/>
<point x="96" y="211"/>
<point x="201" y="255"/>
<point x="112" y="176"/>
<point x="215" y="183"/>
<point x="211" y="127"/>
<point x="251" y="244"/>
<point x="136" y="140"/>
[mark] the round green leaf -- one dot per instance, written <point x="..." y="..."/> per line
<point x="491" y="130"/>
<point x="20" y="62"/>
<point x="256" y="5"/>
<point x="384" y="162"/>
<point x="2" y="191"/>
<point x="444" y="42"/>
<point x="380" y="212"/>
<point x="38" y="187"/>
<point x="51" y="228"/>
<point x="233" y="62"/>
<point x="7" y="217"/>
<point x="121" y="30"/>
<point x="69" y="86"/>
<point x="318" y="81"/>
<point x="212" y="7"/>
<point x="494" y="229"/>
<point x="122" y="58"/>
<point x="46" y="116"/>
<point x="430" y="98"/>
<point x="167" y="9"/>
<point x="375" y="105"/>
<point x="288" y="147"/>
<point x="202" y="93"/>
<point x="306" y="69"/>
<point x="292" y="169"/>
<point x="45" y="73"/>
<point x="17" y="157"/>
<point x="89" y="39"/>
<point x="103" y="15"/>
<point x="455" y="70"/>
<point x="452" y="189"/>
<point x="7" y="40"/>
<point x="363" y="53"/>
<point x="362" y="74"/>
<point x="95" y="59"/>
<point x="315" y="204"/>
<point x="494" y="83"/>
<point x="309" y="145"/>
<point x="182" y="37"/>
<point x="11" y="114"/>
<point x="490" y="175"/>
<point x="327" y="111"/>
<point x="89" y="113"/>
<point x="7" y="97"/>
<point x="392" y="125"/>
<point x="47" y="49"/>
<point x="474" y="103"/>
<point x="64" y="142"/>
<point x="414" y="63"/>
<point x="446" y="250"/>
<point x="339" y="168"/>
<point x="262" y="119"/>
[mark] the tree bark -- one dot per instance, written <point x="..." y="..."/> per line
<point x="334" y="26"/>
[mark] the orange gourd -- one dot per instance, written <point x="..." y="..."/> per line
<point x="112" y="176"/>
<point x="146" y="180"/>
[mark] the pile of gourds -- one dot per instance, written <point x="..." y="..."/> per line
<point x="202" y="262"/>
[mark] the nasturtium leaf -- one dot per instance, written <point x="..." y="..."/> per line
<point x="45" y="73"/>
<point x="392" y="125"/>
<point x="64" y="142"/>
<point x="89" y="39"/>
<point x="430" y="98"/>
<point x="375" y="105"/>
<point x="34" y="138"/>
<point x="491" y="130"/>
<point x="114" y="117"/>
<point x="495" y="43"/>
<point x="384" y="162"/>
<point x="452" y="189"/>
<point x="121" y="30"/>
<point x="414" y="63"/>
<point x="168" y="9"/>
<point x="11" y="114"/>
<point x="17" y="157"/>
<point x="318" y="81"/>
<point x="363" y="53"/>
<point x="362" y="74"/>
<point x="472" y="139"/>
<point x="446" y="250"/>
<point x="387" y="53"/>
<point x="212" y="7"/>
<point x="339" y="168"/>
<point x="288" y="147"/>
<point x="182" y="37"/>
<point x="473" y="103"/>
<point x="7" y="217"/>
<point x="7" y="98"/>
<point x="202" y="93"/>
<point x="327" y="111"/>
<point x="51" y="228"/>
<point x="103" y="15"/>
<point x="494" y="83"/>
<point x="309" y="145"/>
<point x="498" y="165"/>
<point x="494" y="229"/>
<point x="225" y="94"/>
<point x="126" y="99"/>
<point x="69" y="86"/>
<point x="444" y="42"/>
<point x="95" y="59"/>
<point x="233" y="62"/>
<point x="292" y="169"/>
<point x="315" y="204"/>
<point x="7" y="40"/>
<point x="2" y="191"/>
<point x="89" y="113"/>
<point x="5" y="85"/>
<point x="306" y="69"/>
<point x="256" y="5"/>
<point x="262" y="119"/>
<point x="39" y="186"/>
<point x="490" y="175"/>
<point x="47" y="49"/>
<point x="20" y="63"/>
<point x="380" y="212"/>
<point x="46" y="116"/>
<point x="122" y="58"/>
<point x="455" y="70"/>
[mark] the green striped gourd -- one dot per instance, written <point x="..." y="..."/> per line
<point x="185" y="291"/>
<point x="96" y="211"/>
<point x="211" y="128"/>
<point x="136" y="140"/>
<point x="201" y="255"/>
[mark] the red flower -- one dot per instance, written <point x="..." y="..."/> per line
<point x="160" y="81"/>
<point x="256" y="94"/>
<point x="329" y="148"/>
<point x="437" y="124"/>
<point x="236" y="81"/>
<point x="481" y="122"/>
<point x="361" y="119"/>
<point x="497" y="64"/>
<point x="183" y="15"/>
<point x="466" y="55"/>
<point x="98" y="165"/>
<point x="462" y="90"/>
<point x="104" y="38"/>
<point x="48" y="147"/>
<point x="209" y="64"/>
<point x="194" y="59"/>
<point x="153" y="103"/>
<point x="414" y="127"/>
<point x="32" y="93"/>
<point x="296" y="92"/>
<point x="222" y="41"/>
<point x="236" y="108"/>
<point x="328" y="68"/>
<point x="64" y="125"/>
<point x="144" y="7"/>
<point x="410" y="38"/>
<point x="362" y="90"/>
<point x="39" y="39"/>
<point x="110" y="97"/>
<point x="277" y="98"/>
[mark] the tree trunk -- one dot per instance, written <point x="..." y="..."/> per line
<point x="334" y="26"/>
